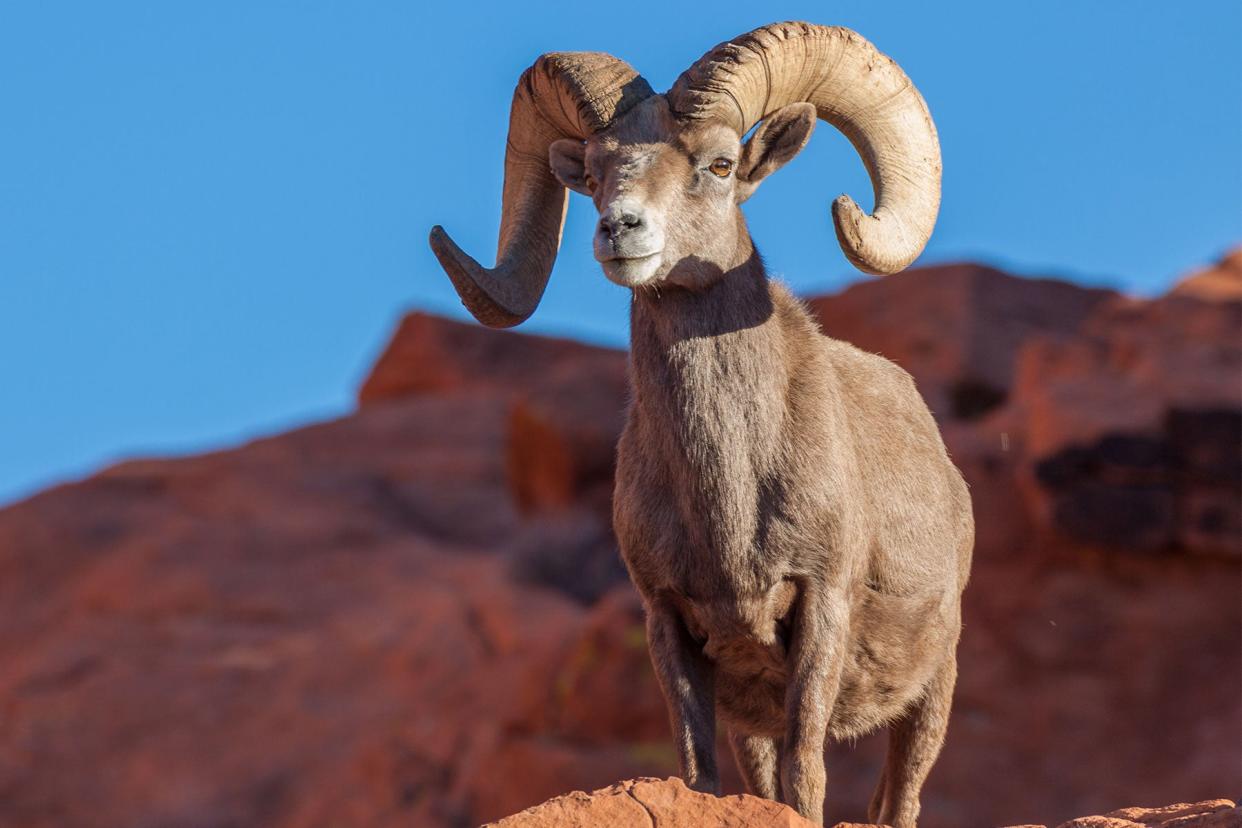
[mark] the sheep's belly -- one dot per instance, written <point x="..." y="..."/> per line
<point x="751" y="703"/>
<point x="886" y="670"/>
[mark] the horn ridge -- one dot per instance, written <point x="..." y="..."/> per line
<point x="561" y="95"/>
<point x="857" y="89"/>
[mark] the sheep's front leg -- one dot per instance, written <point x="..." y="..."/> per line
<point x="687" y="678"/>
<point x="815" y="662"/>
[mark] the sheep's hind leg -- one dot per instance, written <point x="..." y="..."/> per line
<point x="758" y="758"/>
<point x="913" y="744"/>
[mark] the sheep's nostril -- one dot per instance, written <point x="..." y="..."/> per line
<point x="614" y="224"/>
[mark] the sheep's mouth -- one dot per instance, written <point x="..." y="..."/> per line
<point x="626" y="259"/>
<point x="632" y="271"/>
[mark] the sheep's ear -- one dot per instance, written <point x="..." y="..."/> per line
<point x="777" y="140"/>
<point x="567" y="158"/>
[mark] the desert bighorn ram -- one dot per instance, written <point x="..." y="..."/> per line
<point x="784" y="502"/>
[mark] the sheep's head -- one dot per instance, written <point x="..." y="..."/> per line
<point x="667" y="172"/>
<point x="667" y="189"/>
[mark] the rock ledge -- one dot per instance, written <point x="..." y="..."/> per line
<point x="648" y="802"/>
<point x="667" y="803"/>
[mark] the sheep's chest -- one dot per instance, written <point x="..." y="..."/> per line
<point x="713" y="518"/>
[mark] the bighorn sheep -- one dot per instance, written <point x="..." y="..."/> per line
<point x="784" y="502"/>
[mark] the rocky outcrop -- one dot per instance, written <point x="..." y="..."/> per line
<point x="1221" y="281"/>
<point x="668" y="803"/>
<point x="415" y="615"/>
<point x="654" y="803"/>
<point x="428" y="355"/>
<point x="1120" y="417"/>
<point x="957" y="328"/>
<point x="1130" y="428"/>
<point x="1214" y="813"/>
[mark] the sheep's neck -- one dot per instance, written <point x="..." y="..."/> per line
<point x="722" y="347"/>
<point x="710" y="383"/>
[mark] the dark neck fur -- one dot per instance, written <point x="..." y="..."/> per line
<point x="711" y="353"/>
<point x="736" y="301"/>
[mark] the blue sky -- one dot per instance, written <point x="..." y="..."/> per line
<point x="212" y="215"/>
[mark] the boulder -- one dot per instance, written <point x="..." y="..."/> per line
<point x="1221" y="281"/>
<point x="957" y="328"/>
<point x="1130" y="428"/>
<point x="1215" y="813"/>
<point x="566" y="401"/>
<point x="654" y="803"/>
<point x="429" y="354"/>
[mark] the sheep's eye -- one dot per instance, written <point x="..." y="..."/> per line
<point x="721" y="167"/>
<point x="591" y="184"/>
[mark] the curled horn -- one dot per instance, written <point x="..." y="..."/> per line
<point x="858" y="90"/>
<point x="563" y="95"/>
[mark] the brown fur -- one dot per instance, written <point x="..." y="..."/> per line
<point x="784" y="502"/>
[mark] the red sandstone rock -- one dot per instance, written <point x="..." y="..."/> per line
<point x="1160" y="816"/>
<point x="956" y="328"/>
<point x="1130" y="364"/>
<point x="429" y="354"/>
<point x="1130" y="429"/>
<point x="644" y="803"/>
<point x="542" y="474"/>
<point x="668" y="803"/>
<point x="1215" y="813"/>
<point x="608" y="806"/>
<point x="562" y="437"/>
<point x="567" y="401"/>
<point x="1221" y="281"/>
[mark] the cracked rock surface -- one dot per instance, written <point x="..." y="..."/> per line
<point x="654" y="803"/>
